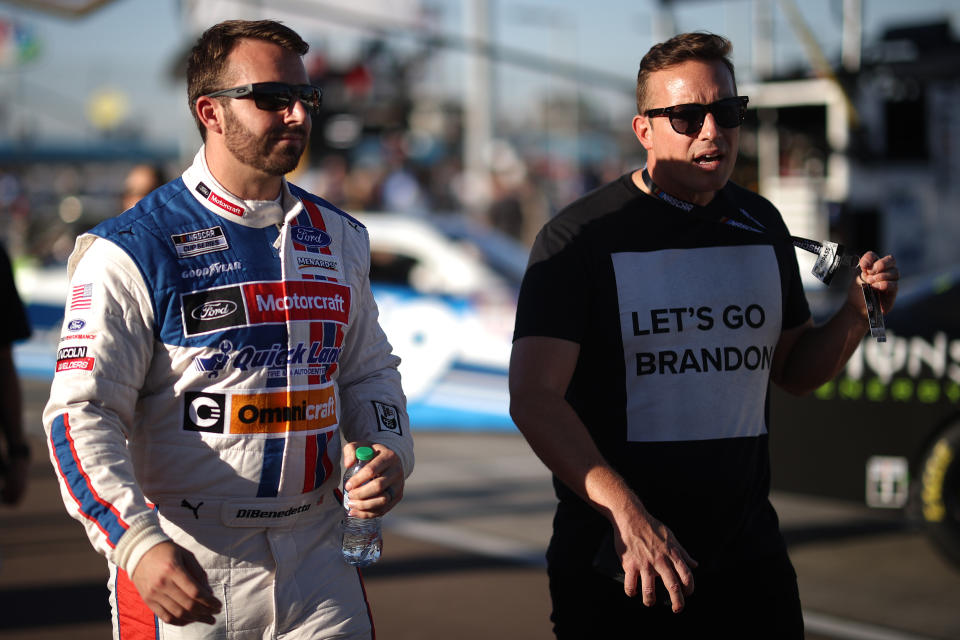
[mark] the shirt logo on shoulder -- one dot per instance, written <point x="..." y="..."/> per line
<point x="388" y="418"/>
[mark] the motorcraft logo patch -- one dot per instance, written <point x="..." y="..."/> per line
<point x="74" y="359"/>
<point x="219" y="201"/>
<point x="262" y="412"/>
<point x="310" y="236"/>
<point x="388" y="418"/>
<point x="255" y="303"/>
<point x="195" y="243"/>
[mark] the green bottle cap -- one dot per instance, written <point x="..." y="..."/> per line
<point x="364" y="453"/>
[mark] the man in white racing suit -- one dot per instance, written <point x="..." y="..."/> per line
<point x="220" y="339"/>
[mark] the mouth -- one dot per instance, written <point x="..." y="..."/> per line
<point x="708" y="159"/>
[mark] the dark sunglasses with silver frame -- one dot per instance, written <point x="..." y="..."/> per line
<point x="274" y="96"/>
<point x="687" y="119"/>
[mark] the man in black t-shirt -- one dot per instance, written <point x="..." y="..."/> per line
<point x="15" y="452"/>
<point x="654" y="312"/>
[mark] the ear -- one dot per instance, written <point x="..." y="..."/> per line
<point x="210" y="113"/>
<point x="643" y="129"/>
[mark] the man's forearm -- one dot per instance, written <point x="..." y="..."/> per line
<point x="561" y="440"/>
<point x="821" y="352"/>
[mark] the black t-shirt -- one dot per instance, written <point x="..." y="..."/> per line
<point x="14" y="325"/>
<point x="677" y="315"/>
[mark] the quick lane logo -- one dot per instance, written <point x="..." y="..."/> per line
<point x="261" y="412"/>
<point x="256" y="303"/>
<point x="314" y="355"/>
<point x="195" y="243"/>
<point x="74" y="359"/>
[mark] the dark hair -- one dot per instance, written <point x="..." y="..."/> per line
<point x="699" y="45"/>
<point x="208" y="59"/>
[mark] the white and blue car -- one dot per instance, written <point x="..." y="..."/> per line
<point x="446" y="290"/>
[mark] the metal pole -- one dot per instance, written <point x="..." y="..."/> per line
<point x="478" y="106"/>
<point x="852" y="34"/>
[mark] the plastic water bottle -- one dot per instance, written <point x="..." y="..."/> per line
<point x="362" y="541"/>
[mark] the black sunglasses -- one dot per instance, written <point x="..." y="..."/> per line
<point x="688" y="118"/>
<point x="274" y="96"/>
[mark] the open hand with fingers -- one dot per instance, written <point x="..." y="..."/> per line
<point x="648" y="550"/>
<point x="174" y="585"/>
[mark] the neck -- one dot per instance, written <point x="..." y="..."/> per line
<point x="241" y="180"/>
<point x="677" y="197"/>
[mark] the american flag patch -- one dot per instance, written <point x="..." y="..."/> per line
<point x="81" y="296"/>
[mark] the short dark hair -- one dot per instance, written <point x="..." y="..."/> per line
<point x="699" y="45"/>
<point x="208" y="59"/>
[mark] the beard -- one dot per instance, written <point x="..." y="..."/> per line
<point x="267" y="152"/>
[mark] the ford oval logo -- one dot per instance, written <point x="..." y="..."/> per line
<point x="311" y="236"/>
<point x="213" y="310"/>
<point x="76" y="325"/>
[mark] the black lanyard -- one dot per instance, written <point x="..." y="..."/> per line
<point x="830" y="255"/>
<point x="752" y="225"/>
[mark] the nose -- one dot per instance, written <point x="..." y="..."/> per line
<point x="710" y="129"/>
<point x="297" y="112"/>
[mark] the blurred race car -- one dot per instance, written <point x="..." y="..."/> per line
<point x="447" y="293"/>
<point x="886" y="430"/>
<point x="446" y="290"/>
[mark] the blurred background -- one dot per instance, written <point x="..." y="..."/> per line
<point x="454" y="129"/>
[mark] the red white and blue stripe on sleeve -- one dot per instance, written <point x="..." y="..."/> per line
<point x="70" y="468"/>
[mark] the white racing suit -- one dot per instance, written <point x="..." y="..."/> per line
<point x="213" y="352"/>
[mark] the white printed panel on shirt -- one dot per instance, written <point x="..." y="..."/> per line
<point x="699" y="327"/>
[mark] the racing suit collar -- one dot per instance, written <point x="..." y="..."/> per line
<point x="250" y="213"/>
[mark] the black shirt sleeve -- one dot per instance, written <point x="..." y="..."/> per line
<point x="14" y="324"/>
<point x="549" y="304"/>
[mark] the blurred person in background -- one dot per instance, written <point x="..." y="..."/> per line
<point x="220" y="354"/>
<point x="654" y="312"/>
<point x="140" y="180"/>
<point x="15" y="452"/>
